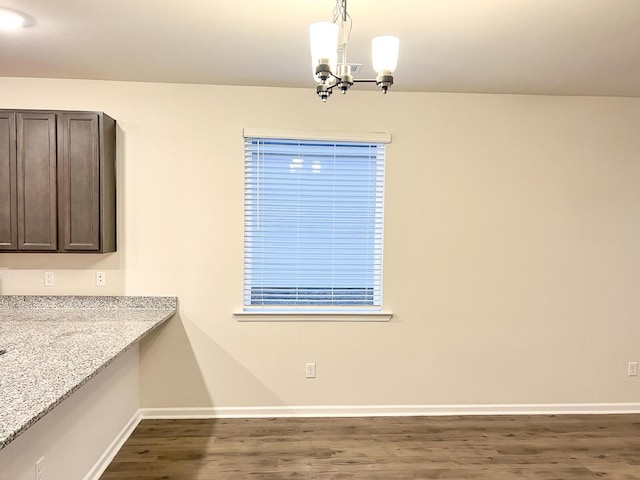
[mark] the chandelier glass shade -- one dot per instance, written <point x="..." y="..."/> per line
<point x="324" y="44"/>
<point x="384" y="54"/>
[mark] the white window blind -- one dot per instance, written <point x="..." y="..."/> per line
<point x="313" y="224"/>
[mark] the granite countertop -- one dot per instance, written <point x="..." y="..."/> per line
<point x="51" y="345"/>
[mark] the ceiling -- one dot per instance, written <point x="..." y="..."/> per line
<point x="558" y="47"/>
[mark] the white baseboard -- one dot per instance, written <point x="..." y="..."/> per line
<point x="390" y="410"/>
<point x="109" y="454"/>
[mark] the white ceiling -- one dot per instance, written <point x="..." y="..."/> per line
<point x="563" y="47"/>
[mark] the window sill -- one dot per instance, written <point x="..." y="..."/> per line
<point x="313" y="316"/>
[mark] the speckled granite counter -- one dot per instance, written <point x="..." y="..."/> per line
<point x="51" y="346"/>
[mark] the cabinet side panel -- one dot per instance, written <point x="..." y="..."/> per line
<point x="8" y="209"/>
<point x="36" y="185"/>
<point x="108" y="173"/>
<point x="79" y="180"/>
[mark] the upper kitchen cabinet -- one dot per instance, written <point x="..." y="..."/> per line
<point x="57" y="182"/>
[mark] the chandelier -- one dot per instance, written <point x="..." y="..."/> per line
<point x="325" y="50"/>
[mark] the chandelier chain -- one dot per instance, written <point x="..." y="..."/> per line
<point x="340" y="13"/>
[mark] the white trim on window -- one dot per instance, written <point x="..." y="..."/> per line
<point x="332" y="316"/>
<point x="364" y="137"/>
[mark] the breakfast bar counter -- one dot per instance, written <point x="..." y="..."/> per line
<point x="51" y="345"/>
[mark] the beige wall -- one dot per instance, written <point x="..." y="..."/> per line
<point x="511" y="246"/>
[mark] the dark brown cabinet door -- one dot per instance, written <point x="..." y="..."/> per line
<point x="8" y="208"/>
<point x="79" y="181"/>
<point x="36" y="181"/>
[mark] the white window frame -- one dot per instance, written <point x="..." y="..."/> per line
<point x="289" y="313"/>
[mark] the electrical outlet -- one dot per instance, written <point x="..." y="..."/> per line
<point x="40" y="469"/>
<point x="101" y="279"/>
<point x="49" y="281"/>
<point x="632" y="369"/>
<point x="311" y="370"/>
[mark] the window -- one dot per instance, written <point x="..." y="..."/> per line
<point x="313" y="222"/>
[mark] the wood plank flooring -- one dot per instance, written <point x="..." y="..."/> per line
<point x="565" y="447"/>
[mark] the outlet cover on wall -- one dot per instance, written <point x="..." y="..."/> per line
<point x="310" y="370"/>
<point x="101" y="279"/>
<point x="632" y="369"/>
<point x="49" y="280"/>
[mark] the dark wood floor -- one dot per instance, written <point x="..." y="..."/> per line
<point x="564" y="447"/>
